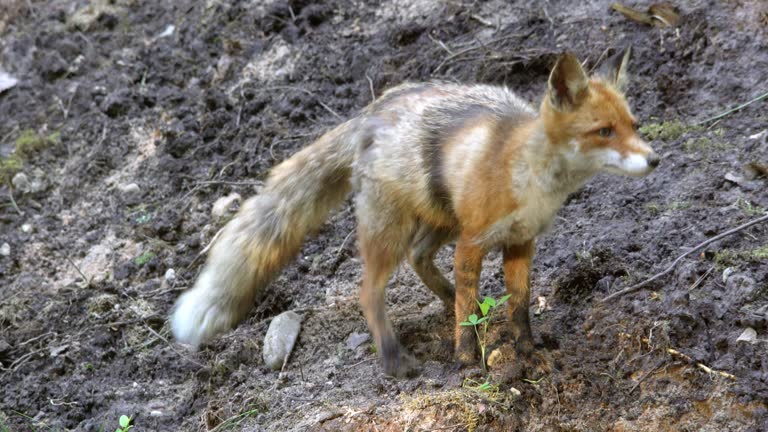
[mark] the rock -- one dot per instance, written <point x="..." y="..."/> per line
<point x="356" y="339"/>
<point x="170" y="275"/>
<point x="26" y="228"/>
<point x="5" y="347"/>
<point x="727" y="273"/>
<point x="131" y="193"/>
<point x="749" y="335"/>
<point x="740" y="287"/>
<point x="280" y="338"/>
<point x="5" y="249"/>
<point x="514" y="392"/>
<point x="21" y="182"/>
<point x="494" y="358"/>
<point x="224" y="205"/>
<point x="7" y="81"/>
<point x="96" y="13"/>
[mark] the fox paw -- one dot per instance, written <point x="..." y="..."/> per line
<point x="532" y="367"/>
<point x="400" y="364"/>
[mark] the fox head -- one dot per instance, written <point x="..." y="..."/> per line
<point x="589" y="118"/>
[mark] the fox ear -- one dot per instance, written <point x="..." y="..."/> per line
<point x="614" y="70"/>
<point x="567" y="83"/>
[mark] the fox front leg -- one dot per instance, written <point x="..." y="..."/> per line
<point x="467" y="266"/>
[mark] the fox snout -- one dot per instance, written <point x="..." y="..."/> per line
<point x="637" y="161"/>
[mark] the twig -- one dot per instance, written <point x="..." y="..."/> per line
<point x="701" y="366"/>
<point x="359" y="363"/>
<point x="440" y="43"/>
<point x="647" y="374"/>
<point x="370" y="84"/>
<point x="472" y="48"/>
<point x="343" y="243"/>
<point x="28" y="341"/>
<point x="701" y="278"/>
<point x="206" y="248"/>
<point x="85" y="278"/>
<point x="230" y="183"/>
<point x="733" y="110"/>
<point x="327" y="108"/>
<point x="13" y="203"/>
<point x="170" y="345"/>
<point x="698" y="247"/>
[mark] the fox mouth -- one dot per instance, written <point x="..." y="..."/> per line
<point x="634" y="164"/>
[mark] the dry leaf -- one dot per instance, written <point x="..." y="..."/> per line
<point x="659" y="14"/>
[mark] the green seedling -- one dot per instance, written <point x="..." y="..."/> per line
<point x="144" y="258"/>
<point x="487" y="308"/>
<point x="125" y="424"/>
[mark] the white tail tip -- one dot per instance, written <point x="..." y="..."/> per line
<point x="199" y="314"/>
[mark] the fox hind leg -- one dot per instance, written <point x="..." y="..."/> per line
<point x="383" y="235"/>
<point x="427" y="241"/>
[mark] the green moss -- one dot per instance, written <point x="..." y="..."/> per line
<point x="703" y="144"/>
<point x="679" y="205"/>
<point x="655" y="208"/>
<point x="9" y="167"/>
<point x="666" y="131"/>
<point x="144" y="258"/>
<point x="729" y="257"/>
<point x="25" y="146"/>
<point x="749" y="208"/>
<point x="29" y="142"/>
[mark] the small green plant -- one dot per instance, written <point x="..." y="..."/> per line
<point x="28" y="142"/>
<point x="125" y="424"/>
<point x="144" y="258"/>
<point x="749" y="208"/>
<point x="487" y="308"/>
<point x="485" y="387"/>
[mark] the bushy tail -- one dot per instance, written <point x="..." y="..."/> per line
<point x="266" y="234"/>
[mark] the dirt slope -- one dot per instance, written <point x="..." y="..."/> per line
<point x="191" y="101"/>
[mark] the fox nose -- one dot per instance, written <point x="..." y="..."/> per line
<point x="653" y="160"/>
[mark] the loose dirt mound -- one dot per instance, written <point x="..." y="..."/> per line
<point x="131" y="118"/>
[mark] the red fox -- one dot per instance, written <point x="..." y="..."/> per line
<point x="429" y="163"/>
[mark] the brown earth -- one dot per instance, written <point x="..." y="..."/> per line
<point x="105" y="100"/>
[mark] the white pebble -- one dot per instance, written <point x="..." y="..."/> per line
<point x="170" y="275"/>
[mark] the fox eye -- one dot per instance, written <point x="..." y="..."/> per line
<point x="636" y="127"/>
<point x="605" y="132"/>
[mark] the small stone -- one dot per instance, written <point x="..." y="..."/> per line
<point x="155" y="413"/>
<point x="26" y="228"/>
<point x="21" y="182"/>
<point x="356" y="339"/>
<point x="514" y="392"/>
<point x="225" y="205"/>
<point x="280" y="338"/>
<point x="5" y="249"/>
<point x="726" y="273"/>
<point x="131" y="193"/>
<point x="55" y="351"/>
<point x="170" y="275"/>
<point x="749" y="335"/>
<point x="7" y="81"/>
<point x="494" y="358"/>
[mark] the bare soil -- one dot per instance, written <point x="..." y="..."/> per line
<point x="197" y="111"/>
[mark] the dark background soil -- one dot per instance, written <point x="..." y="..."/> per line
<point x="237" y="87"/>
